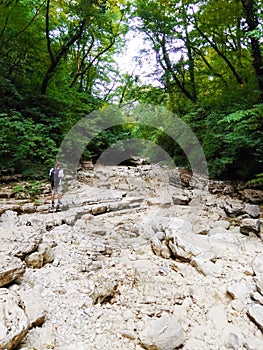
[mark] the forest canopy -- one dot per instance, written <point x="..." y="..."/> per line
<point x="201" y="61"/>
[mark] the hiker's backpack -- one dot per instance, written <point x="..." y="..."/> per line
<point x="54" y="176"/>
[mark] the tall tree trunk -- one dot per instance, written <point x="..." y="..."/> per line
<point x="190" y="54"/>
<point x="252" y="22"/>
<point x="62" y="52"/>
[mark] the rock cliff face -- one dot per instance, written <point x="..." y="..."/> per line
<point x="138" y="258"/>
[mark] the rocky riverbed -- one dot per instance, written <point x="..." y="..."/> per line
<point x="139" y="258"/>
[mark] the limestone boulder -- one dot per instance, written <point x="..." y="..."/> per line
<point x="105" y="291"/>
<point x="160" y="248"/>
<point x="180" y="199"/>
<point x="164" y="333"/>
<point x="252" y="195"/>
<point x="9" y="218"/>
<point x="47" y="251"/>
<point x="257" y="267"/>
<point x="253" y="343"/>
<point x="248" y="226"/>
<point x="233" y="207"/>
<point x="183" y="243"/>
<point x="252" y="210"/>
<point x="255" y="312"/>
<point x="205" y="265"/>
<point x="9" y="207"/>
<point x="34" y="306"/>
<point x="14" y="323"/>
<point x="19" y="240"/>
<point x="11" y="268"/>
<point x="40" y="338"/>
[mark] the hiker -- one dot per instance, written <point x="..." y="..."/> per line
<point x="56" y="175"/>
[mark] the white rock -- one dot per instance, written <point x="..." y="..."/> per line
<point x="233" y="342"/>
<point x="34" y="306"/>
<point x="47" y="252"/>
<point x="255" y="312"/>
<point x="239" y="290"/>
<point x="11" y="268"/>
<point x="257" y="266"/>
<point x="248" y="226"/>
<point x="206" y="267"/>
<point x="14" y="323"/>
<point x="222" y="223"/>
<point x="75" y="346"/>
<point x="253" y="343"/>
<point x="217" y="314"/>
<point x="164" y="333"/>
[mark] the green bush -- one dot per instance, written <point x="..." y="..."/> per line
<point x="25" y="146"/>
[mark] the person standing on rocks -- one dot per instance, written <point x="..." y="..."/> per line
<point x="56" y="175"/>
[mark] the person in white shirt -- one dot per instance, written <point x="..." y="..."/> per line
<point x="56" y="177"/>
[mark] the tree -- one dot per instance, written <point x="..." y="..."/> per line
<point x="21" y="39"/>
<point x="199" y="46"/>
<point x="82" y="32"/>
<point x="252" y="14"/>
<point x="57" y="65"/>
<point x="165" y="25"/>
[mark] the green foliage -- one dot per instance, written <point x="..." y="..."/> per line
<point x="34" y="188"/>
<point x="30" y="190"/>
<point x="57" y="69"/>
<point x="18" y="190"/>
<point x="234" y="147"/>
<point x="243" y="139"/>
<point x="105" y="139"/>
<point x="25" y="146"/>
<point x="232" y="142"/>
<point x="256" y="182"/>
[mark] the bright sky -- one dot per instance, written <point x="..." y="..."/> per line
<point x="134" y="62"/>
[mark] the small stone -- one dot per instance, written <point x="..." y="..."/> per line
<point x="34" y="260"/>
<point x="248" y="226"/>
<point x="129" y="335"/>
<point x="47" y="252"/>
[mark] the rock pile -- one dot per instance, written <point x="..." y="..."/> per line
<point x="138" y="260"/>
